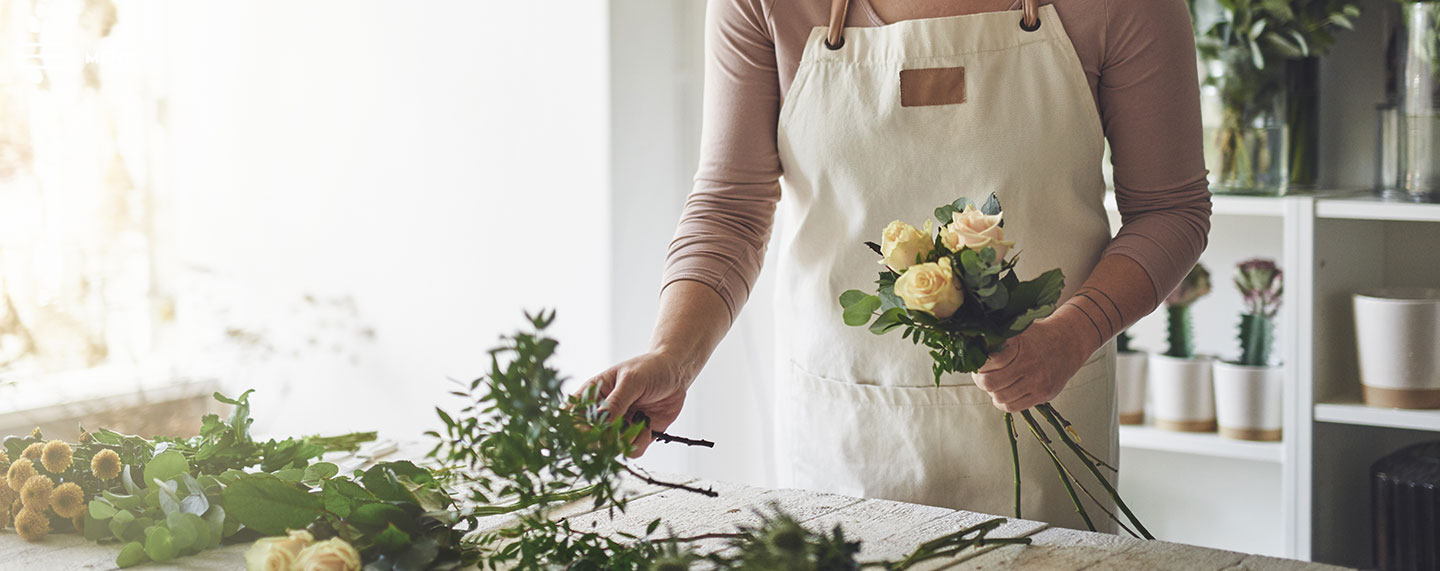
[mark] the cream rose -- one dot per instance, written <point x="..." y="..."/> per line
<point x="329" y="555"/>
<point x="902" y="243"/>
<point x="931" y="288"/>
<point x="277" y="553"/>
<point x="976" y="230"/>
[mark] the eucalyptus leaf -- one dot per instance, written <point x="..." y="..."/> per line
<point x="860" y="312"/>
<point x="101" y="510"/>
<point x="159" y="544"/>
<point x="165" y="466"/>
<point x="131" y="555"/>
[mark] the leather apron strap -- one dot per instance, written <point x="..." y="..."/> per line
<point x="1029" y="20"/>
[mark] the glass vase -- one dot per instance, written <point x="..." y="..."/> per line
<point x="1246" y="135"/>
<point x="1418" y="173"/>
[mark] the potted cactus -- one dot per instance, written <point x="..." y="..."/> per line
<point x="1248" y="391"/>
<point x="1129" y="380"/>
<point x="1181" y="381"/>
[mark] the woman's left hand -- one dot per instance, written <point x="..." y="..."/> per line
<point x="1034" y="366"/>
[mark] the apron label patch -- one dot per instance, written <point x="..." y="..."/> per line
<point x="933" y="86"/>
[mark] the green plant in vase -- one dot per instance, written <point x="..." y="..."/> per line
<point x="1261" y="284"/>
<point x="1261" y="58"/>
<point x="1181" y="331"/>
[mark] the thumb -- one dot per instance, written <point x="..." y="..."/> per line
<point x="619" y="401"/>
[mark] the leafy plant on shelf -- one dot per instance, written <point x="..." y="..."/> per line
<point x="1181" y="337"/>
<point x="1261" y="284"/>
<point x="1251" y="41"/>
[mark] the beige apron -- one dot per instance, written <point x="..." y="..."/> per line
<point x="857" y="413"/>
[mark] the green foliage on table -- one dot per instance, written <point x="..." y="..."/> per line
<point x="997" y="306"/>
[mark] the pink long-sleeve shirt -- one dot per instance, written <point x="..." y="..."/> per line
<point x="1139" y="58"/>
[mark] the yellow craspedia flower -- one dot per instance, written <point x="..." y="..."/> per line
<point x="36" y="493"/>
<point x="32" y="525"/>
<point x="57" y="456"/>
<point x="68" y="500"/>
<point x="4" y="512"/>
<point x="36" y="434"/>
<point x="20" y="471"/>
<point x="105" y="465"/>
<point x="4" y="460"/>
<point x="79" y="523"/>
<point x="34" y="451"/>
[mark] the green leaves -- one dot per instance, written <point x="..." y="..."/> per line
<point x="165" y="466"/>
<point x="270" y="506"/>
<point x="859" y="307"/>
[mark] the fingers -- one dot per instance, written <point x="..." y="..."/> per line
<point x="1004" y="399"/>
<point x="997" y="381"/>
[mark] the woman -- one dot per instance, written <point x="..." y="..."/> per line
<point x="867" y="111"/>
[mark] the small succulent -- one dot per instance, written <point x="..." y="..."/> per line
<point x="1181" y="335"/>
<point x="1261" y="284"/>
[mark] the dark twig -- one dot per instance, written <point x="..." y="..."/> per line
<point x="647" y="479"/>
<point x="667" y="438"/>
<point x="662" y="437"/>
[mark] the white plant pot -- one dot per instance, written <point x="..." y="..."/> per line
<point x="1182" y="393"/>
<point x="1247" y="401"/>
<point x="1397" y="333"/>
<point x="1130" y="386"/>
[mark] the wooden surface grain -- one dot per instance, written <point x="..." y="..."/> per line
<point x="887" y="530"/>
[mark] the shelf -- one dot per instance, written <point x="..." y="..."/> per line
<point x="1231" y="205"/>
<point x="1372" y="207"/>
<point x="1201" y="443"/>
<point x="1359" y="414"/>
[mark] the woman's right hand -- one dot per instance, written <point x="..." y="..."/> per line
<point x="653" y="383"/>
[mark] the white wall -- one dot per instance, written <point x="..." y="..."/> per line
<point x="443" y="164"/>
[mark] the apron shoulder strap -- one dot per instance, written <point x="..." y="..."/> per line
<point x="1029" y="20"/>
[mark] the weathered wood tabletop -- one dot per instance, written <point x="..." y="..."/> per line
<point x="888" y="530"/>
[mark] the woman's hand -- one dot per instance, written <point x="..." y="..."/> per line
<point x="1034" y="366"/>
<point x="653" y="383"/>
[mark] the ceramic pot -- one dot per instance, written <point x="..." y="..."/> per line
<point x="1397" y="334"/>
<point x="1182" y="393"/>
<point x="1130" y="386"/>
<point x="1248" y="401"/>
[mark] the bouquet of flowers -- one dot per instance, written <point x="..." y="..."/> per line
<point x="957" y="293"/>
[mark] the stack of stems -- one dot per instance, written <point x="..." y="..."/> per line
<point x="1071" y="481"/>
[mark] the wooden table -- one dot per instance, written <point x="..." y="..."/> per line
<point x="888" y="530"/>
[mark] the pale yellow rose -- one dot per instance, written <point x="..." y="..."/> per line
<point x="329" y="555"/>
<point x="931" y="288"/>
<point x="976" y="230"/>
<point x="902" y="243"/>
<point x="277" y="553"/>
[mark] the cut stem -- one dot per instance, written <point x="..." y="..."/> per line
<point x="1014" y="457"/>
<point x="1049" y="412"/>
<point x="1059" y="468"/>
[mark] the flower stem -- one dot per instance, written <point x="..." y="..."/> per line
<point x="1049" y="412"/>
<point x="1014" y="457"/>
<point x="1059" y="468"/>
<point x="566" y="496"/>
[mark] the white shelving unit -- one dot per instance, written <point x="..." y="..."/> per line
<point x="1362" y="415"/>
<point x="1330" y="245"/>
<point x="1203" y="444"/>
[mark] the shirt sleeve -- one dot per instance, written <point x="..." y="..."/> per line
<point x="724" y="228"/>
<point x="1149" y="100"/>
